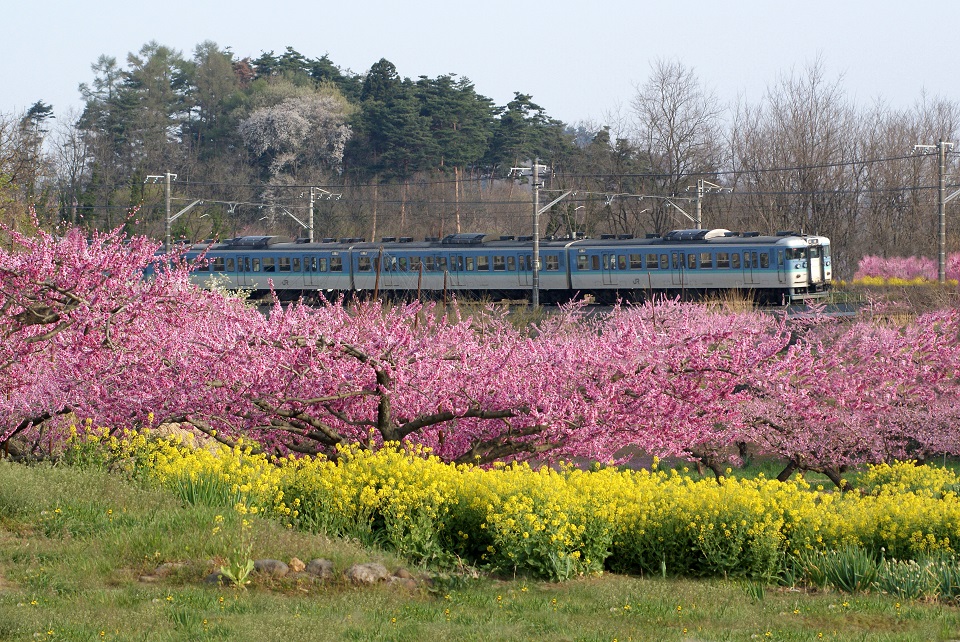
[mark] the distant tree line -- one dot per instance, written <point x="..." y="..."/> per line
<point x="261" y="140"/>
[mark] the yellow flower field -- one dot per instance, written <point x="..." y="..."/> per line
<point x="558" y="522"/>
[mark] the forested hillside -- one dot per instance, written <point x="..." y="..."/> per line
<point x="260" y="142"/>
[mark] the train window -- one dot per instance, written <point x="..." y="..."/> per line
<point x="483" y="263"/>
<point x="198" y="266"/>
<point x="469" y="264"/>
<point x="594" y="262"/>
<point x="442" y="263"/>
<point x="511" y="264"/>
<point x="622" y="262"/>
<point x="675" y="260"/>
<point x="256" y="265"/>
<point x="269" y="264"/>
<point x="402" y="264"/>
<point x="652" y="262"/>
<point x="755" y="263"/>
<point x="691" y="261"/>
<point x="415" y="264"/>
<point x="499" y="264"/>
<point x="553" y="262"/>
<point x="246" y="263"/>
<point x="764" y="260"/>
<point x="735" y="260"/>
<point x="706" y="260"/>
<point x="322" y="265"/>
<point x="283" y="264"/>
<point x="459" y="263"/>
<point x="363" y="263"/>
<point x="296" y="265"/>
<point x="636" y="262"/>
<point x="794" y="254"/>
<point x="231" y="265"/>
<point x="723" y="260"/>
<point x="336" y="264"/>
<point x="217" y="265"/>
<point x="663" y="261"/>
<point x="428" y="264"/>
<point x="581" y="262"/>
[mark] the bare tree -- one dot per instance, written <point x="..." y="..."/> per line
<point x="677" y="128"/>
<point x="796" y="157"/>
<point x="70" y="157"/>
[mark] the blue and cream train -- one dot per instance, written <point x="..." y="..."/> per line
<point x="781" y="268"/>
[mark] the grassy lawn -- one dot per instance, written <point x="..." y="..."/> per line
<point x="75" y="545"/>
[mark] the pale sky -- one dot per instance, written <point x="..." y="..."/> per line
<point x="578" y="60"/>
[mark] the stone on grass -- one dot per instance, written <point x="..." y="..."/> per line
<point x="407" y="583"/>
<point x="321" y="568"/>
<point x="271" y="567"/>
<point x="168" y="568"/>
<point x="367" y="573"/>
<point x="217" y="578"/>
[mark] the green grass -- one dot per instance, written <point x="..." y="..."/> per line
<point x="72" y="574"/>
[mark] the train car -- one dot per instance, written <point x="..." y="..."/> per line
<point x="689" y="264"/>
<point x="262" y="263"/>
<point x="695" y="263"/>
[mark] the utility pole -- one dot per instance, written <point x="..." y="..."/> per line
<point x="327" y="195"/>
<point x="535" y="295"/>
<point x="942" y="201"/>
<point x="310" y="219"/>
<point x="535" y="172"/>
<point x="704" y="187"/>
<point x="167" y="178"/>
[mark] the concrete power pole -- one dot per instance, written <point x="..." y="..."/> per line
<point x="166" y="191"/>
<point x="167" y="219"/>
<point x="534" y="173"/>
<point x="942" y="200"/>
<point x="704" y="187"/>
<point x="535" y="295"/>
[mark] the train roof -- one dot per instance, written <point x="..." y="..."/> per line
<point x="717" y="236"/>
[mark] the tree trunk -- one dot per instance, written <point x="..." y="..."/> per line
<point x="785" y="474"/>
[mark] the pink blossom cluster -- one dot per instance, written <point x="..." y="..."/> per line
<point x="909" y="268"/>
<point x="86" y="336"/>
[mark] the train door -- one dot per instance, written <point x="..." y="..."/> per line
<point x="525" y="270"/>
<point x="781" y="267"/>
<point x="243" y="272"/>
<point x="309" y="272"/>
<point x="815" y="263"/>
<point x="751" y="267"/>
<point x="677" y="262"/>
<point x="455" y="270"/>
<point x="385" y="270"/>
<point x="609" y="265"/>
